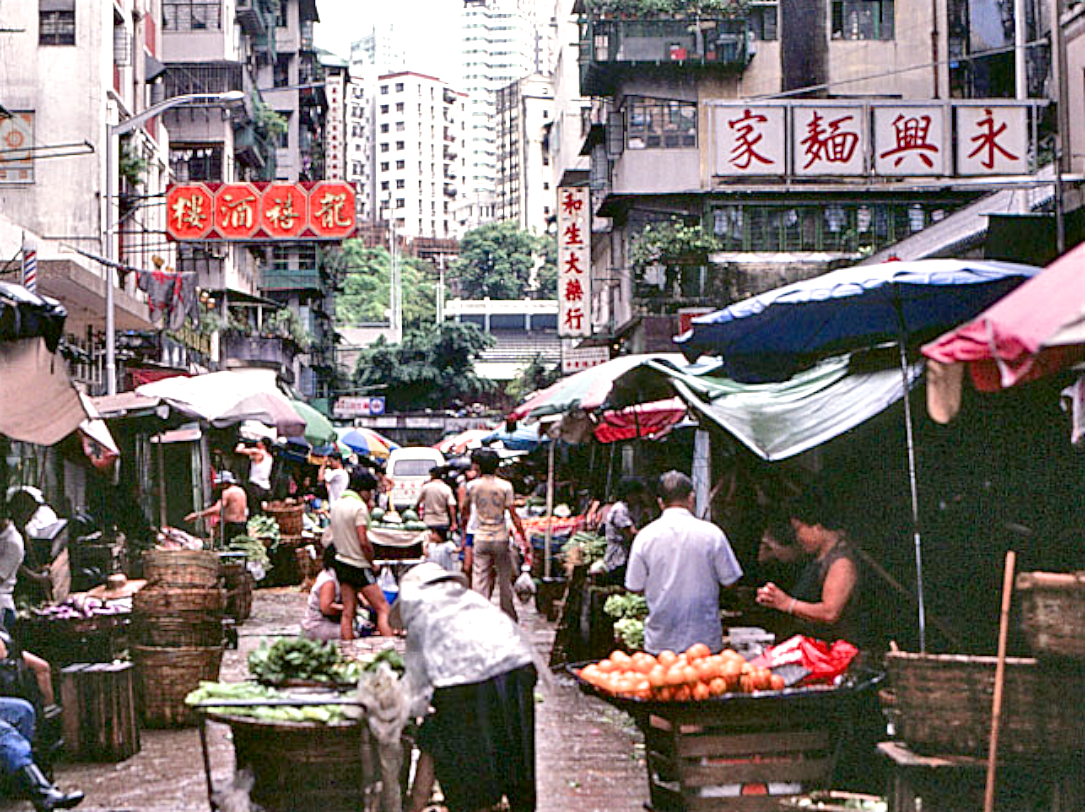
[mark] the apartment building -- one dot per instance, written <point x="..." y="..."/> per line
<point x="58" y="147"/>
<point x="420" y="153"/>
<point x="685" y="108"/>
<point x="524" y="193"/>
<point x="502" y="41"/>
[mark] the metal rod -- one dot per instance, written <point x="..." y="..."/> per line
<point x="913" y="485"/>
<point x="206" y="762"/>
<point x="549" y="507"/>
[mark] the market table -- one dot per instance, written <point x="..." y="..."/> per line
<point x="742" y="752"/>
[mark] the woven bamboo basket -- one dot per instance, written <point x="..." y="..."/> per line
<point x="288" y="517"/>
<point x="163" y="602"/>
<point x="943" y="704"/>
<point x="167" y="675"/>
<point x="181" y="568"/>
<point x="1053" y="612"/>
<point x="308" y="566"/>
<point x="199" y="630"/>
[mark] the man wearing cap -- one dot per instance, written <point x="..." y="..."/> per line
<point x="470" y="662"/>
<point x="354" y="554"/>
<point x="232" y="506"/>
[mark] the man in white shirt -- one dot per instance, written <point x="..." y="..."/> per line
<point x="679" y="562"/>
<point x="334" y="476"/>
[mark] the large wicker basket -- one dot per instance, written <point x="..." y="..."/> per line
<point x="289" y="517"/>
<point x="239" y="586"/>
<point x="181" y="568"/>
<point x="163" y="602"/>
<point x="943" y="704"/>
<point x="167" y="675"/>
<point x="189" y="630"/>
<point x="1053" y="612"/>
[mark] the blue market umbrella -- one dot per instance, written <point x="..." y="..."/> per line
<point x="368" y="442"/>
<point x="771" y="336"/>
<point x="522" y="438"/>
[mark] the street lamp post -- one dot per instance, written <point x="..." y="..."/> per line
<point x="113" y="133"/>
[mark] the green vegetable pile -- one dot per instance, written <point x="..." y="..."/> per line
<point x="254" y="549"/>
<point x="264" y="527"/>
<point x="390" y="520"/>
<point x="210" y="691"/>
<point x="390" y="656"/>
<point x="629" y="611"/>
<point x="627" y="605"/>
<point x="299" y="658"/>
<point x="585" y="548"/>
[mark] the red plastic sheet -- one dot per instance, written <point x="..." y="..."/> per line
<point x="824" y="662"/>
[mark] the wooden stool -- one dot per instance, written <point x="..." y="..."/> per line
<point x="954" y="783"/>
<point x="100" y="720"/>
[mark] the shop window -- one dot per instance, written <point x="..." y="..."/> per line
<point x="56" y="22"/>
<point x="190" y="163"/>
<point x="652" y="124"/>
<point x="863" y="19"/>
<point x="762" y="19"/>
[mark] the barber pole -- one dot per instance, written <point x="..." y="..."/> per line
<point x="30" y="265"/>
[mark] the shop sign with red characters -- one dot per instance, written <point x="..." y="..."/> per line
<point x="260" y="211"/>
<point x="574" y="262"/>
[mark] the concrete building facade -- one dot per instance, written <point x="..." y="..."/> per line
<point x="523" y="192"/>
<point x="420" y="153"/>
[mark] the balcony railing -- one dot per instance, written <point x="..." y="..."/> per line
<point x="613" y="50"/>
<point x="250" y="16"/>
<point x="202" y="77"/>
<point x="262" y="350"/>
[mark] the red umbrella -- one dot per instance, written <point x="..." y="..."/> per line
<point x="1037" y="329"/>
<point x="641" y="420"/>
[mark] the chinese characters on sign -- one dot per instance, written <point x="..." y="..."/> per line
<point x="750" y="141"/>
<point x="16" y="163"/>
<point x="246" y="211"/>
<point x="992" y="140"/>
<point x="886" y="139"/>
<point x="574" y="262"/>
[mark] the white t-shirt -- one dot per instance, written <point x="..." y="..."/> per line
<point x="336" y="480"/>
<point x="11" y="556"/>
<point x="260" y="472"/>
<point x="679" y="562"/>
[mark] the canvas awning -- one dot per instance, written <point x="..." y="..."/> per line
<point x="38" y="403"/>
<point x="779" y="420"/>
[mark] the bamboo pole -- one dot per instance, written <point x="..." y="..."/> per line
<point x="1000" y="676"/>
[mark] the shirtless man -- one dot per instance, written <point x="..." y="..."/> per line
<point x="232" y="506"/>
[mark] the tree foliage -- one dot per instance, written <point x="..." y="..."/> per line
<point x="497" y="260"/>
<point x="535" y="376"/>
<point x="433" y="367"/>
<point x="365" y="283"/>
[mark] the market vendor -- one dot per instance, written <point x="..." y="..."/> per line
<point x="470" y="662"/>
<point x="232" y="506"/>
<point x="324" y="610"/>
<point x="354" y="554"/>
<point x="261" y="463"/>
<point x="826" y="597"/>
<point x="623" y="520"/>
<point x="680" y="562"/>
<point x="436" y="503"/>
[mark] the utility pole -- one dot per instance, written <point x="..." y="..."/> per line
<point x="441" y="289"/>
<point x="1062" y="120"/>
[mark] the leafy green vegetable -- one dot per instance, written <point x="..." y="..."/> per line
<point x="631" y="632"/>
<point x="302" y="659"/>
<point x="626" y="606"/>
<point x="264" y="527"/>
<point x="589" y="547"/>
<point x="254" y="549"/>
<point x="210" y="691"/>
<point x="390" y="656"/>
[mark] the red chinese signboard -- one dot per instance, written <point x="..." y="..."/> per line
<point x="190" y="212"/>
<point x="260" y="211"/>
<point x="331" y="209"/>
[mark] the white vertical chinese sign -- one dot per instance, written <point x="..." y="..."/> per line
<point x="574" y="262"/>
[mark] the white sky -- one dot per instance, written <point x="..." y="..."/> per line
<point x="429" y="30"/>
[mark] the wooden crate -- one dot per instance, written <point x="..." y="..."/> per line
<point x="100" y="721"/>
<point x="740" y="758"/>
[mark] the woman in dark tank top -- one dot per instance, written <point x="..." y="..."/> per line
<point x="826" y="596"/>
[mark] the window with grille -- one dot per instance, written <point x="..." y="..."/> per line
<point x="762" y="19"/>
<point x="191" y="15"/>
<point x="282" y="71"/>
<point x="196" y="162"/>
<point x="56" y="22"/>
<point x="654" y="124"/>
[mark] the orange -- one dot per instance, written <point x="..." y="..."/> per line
<point x="690" y="674"/>
<point x="697" y="651"/>
<point x="667" y="658"/>
<point x="676" y="675"/>
<point x="706" y="669"/>
<point x="664" y="694"/>
<point x="621" y="658"/>
<point x="643" y="662"/>
<point x="606" y="666"/>
<point x="778" y="682"/>
<point x="657" y="676"/>
<point x="701" y="691"/>
<point x="682" y="693"/>
<point x="718" y="686"/>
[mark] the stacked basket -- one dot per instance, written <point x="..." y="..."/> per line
<point x="239" y="586"/>
<point x="943" y="702"/>
<point x="178" y="622"/>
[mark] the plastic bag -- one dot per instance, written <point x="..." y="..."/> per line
<point x="388" y="584"/>
<point x="524" y="586"/>
<point x="824" y="662"/>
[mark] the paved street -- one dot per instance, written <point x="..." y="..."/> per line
<point x="589" y="756"/>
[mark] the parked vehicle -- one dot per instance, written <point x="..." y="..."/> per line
<point x="408" y="470"/>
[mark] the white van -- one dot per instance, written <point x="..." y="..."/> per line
<point x="408" y="470"/>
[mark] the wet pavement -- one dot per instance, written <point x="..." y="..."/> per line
<point x="589" y="756"/>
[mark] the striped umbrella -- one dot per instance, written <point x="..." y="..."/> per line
<point x="368" y="442"/>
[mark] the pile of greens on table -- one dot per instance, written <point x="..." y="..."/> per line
<point x="629" y="612"/>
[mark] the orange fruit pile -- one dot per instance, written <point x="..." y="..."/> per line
<point x="695" y="674"/>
